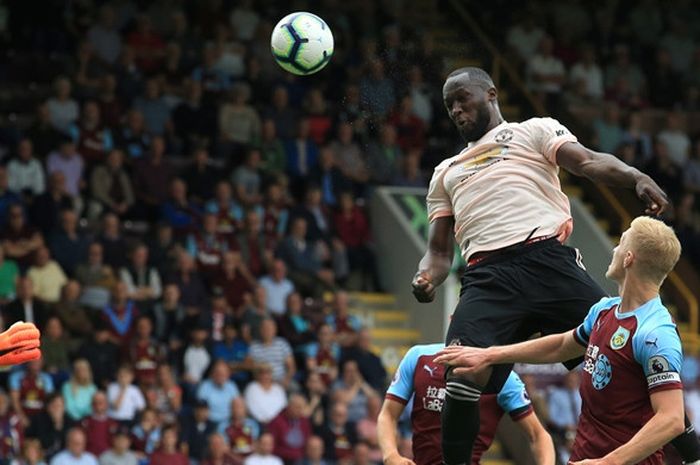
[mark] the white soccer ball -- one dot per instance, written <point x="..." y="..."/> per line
<point x="302" y="43"/>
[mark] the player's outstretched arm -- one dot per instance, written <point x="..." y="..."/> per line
<point x="541" y="443"/>
<point x="608" y="169"/>
<point x="666" y="424"/>
<point x="548" y="349"/>
<point x="435" y="265"/>
<point x="386" y="432"/>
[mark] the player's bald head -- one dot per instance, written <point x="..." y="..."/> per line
<point x="472" y="76"/>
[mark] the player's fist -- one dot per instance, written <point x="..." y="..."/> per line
<point x="652" y="195"/>
<point x="423" y="288"/>
<point x="19" y="344"/>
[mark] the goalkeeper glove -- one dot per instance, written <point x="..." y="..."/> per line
<point x="19" y="344"/>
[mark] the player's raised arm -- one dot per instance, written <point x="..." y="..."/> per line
<point x="435" y="265"/>
<point x="607" y="169"/>
<point x="548" y="349"/>
<point x="387" y="422"/>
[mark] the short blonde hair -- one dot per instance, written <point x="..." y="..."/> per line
<point x="656" y="247"/>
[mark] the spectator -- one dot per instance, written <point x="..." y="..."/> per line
<point x="188" y="280"/>
<point x="345" y="325"/>
<point x="371" y="366"/>
<point x="98" y="427"/>
<point x="111" y="108"/>
<point x="295" y="328"/>
<point x="72" y="314"/>
<point x="120" y="453"/>
<point x="47" y="277"/>
<point x="102" y="354"/>
<point x="565" y="408"/>
<point x="226" y="209"/>
<point x="679" y="43"/>
<point x="301" y="151"/>
<point x="234" y="351"/>
<point x="383" y="156"/>
<point x="623" y="68"/>
<point x="354" y="391"/>
<point x="284" y="117"/>
<point x="145" y="353"/>
<point x="219" y="452"/>
<point x="19" y="240"/>
<point x="264" y="397"/>
<point x="42" y="133"/>
<point x="67" y="160"/>
<point x="377" y="92"/>
<point x="664" y="171"/>
<point x="524" y="38"/>
<point x="319" y="114"/>
<point x="25" y="307"/>
<point x="7" y="197"/>
<point x="46" y="208"/>
<point x="50" y="426"/>
<point x="546" y="73"/>
<point x="164" y="250"/>
<point x="218" y="391"/>
<point x="178" y="211"/>
<point x="113" y="242"/>
<point x="291" y="430"/>
<point x="152" y="178"/>
<point x="329" y="177"/>
<point x="255" y="247"/>
<point x="410" y="174"/>
<point x="168" y="394"/>
<point x="338" y="435"/>
<point x="691" y="172"/>
<point x="105" y="38"/>
<point x="196" y="429"/>
<point x="196" y="357"/>
<point x="147" y="45"/>
<point x="255" y="313"/>
<point x="588" y="71"/>
<point x="168" y="317"/>
<point x="277" y="288"/>
<point x="155" y="110"/>
<point x="264" y="452"/>
<point x="25" y="173"/>
<point x="120" y="315"/>
<point x="193" y="122"/>
<point x="242" y="431"/>
<point x="63" y="109"/>
<point x="133" y="138"/>
<point x="675" y="139"/>
<point x="274" y="160"/>
<point x="235" y="280"/>
<point x="247" y="181"/>
<point x="638" y="138"/>
<point x="201" y="176"/>
<point x="348" y="155"/>
<point x="664" y="91"/>
<point x="217" y="316"/>
<point x="96" y="278"/>
<point x="239" y="122"/>
<point x="110" y="186"/>
<point x="56" y="347"/>
<point x="168" y="453"/>
<point x="421" y="95"/>
<point x="125" y="399"/>
<point x="146" y="434"/>
<point x="608" y="131"/>
<point x="142" y="281"/>
<point x="322" y="357"/>
<point x="276" y="213"/>
<point x="92" y="140"/>
<point x="79" y="390"/>
<point x="75" y="453"/>
<point x="367" y="429"/>
<point x="8" y="278"/>
<point x="68" y="245"/>
<point x="213" y="80"/>
<point x="207" y="244"/>
<point x="362" y="454"/>
<point x="410" y="129"/>
<point x="313" y="452"/>
<point x="274" y="351"/>
<point x="11" y="428"/>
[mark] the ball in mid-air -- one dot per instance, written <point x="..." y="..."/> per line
<point x="302" y="43"/>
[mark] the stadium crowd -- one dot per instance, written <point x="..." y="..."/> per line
<point x="181" y="218"/>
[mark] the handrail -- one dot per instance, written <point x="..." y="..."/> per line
<point x="498" y="57"/>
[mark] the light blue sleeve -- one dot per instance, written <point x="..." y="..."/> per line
<point x="48" y="383"/>
<point x="15" y="380"/>
<point x="657" y="348"/>
<point x="402" y="383"/>
<point x="583" y="332"/>
<point x="513" y="395"/>
<point x="312" y="350"/>
<point x="191" y="246"/>
<point x="107" y="140"/>
<point x="203" y="391"/>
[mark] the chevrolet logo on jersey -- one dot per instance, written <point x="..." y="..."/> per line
<point x="619" y="339"/>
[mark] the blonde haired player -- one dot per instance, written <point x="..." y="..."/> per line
<point x="631" y="387"/>
<point x="19" y="344"/>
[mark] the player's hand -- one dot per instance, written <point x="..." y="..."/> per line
<point x="19" y="344"/>
<point x="396" y="459"/>
<point x="652" y="195"/>
<point x="423" y="287"/>
<point x="465" y="359"/>
<point x="591" y="462"/>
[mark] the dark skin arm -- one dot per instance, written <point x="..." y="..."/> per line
<point x="435" y="265"/>
<point x="607" y="169"/>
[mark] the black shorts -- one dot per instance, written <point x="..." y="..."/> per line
<point x="525" y="289"/>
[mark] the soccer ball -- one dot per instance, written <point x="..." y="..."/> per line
<point x="302" y="43"/>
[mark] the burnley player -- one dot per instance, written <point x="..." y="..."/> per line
<point x="502" y="201"/>
<point x="631" y="387"/>
<point x="418" y="375"/>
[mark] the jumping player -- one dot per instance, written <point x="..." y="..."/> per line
<point x="418" y="374"/>
<point x="501" y="199"/>
<point x="631" y="391"/>
<point x="19" y="344"/>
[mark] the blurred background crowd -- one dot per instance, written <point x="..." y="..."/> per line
<point x="182" y="219"/>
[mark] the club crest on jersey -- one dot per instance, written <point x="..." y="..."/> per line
<point x="619" y="339"/>
<point x="504" y="135"/>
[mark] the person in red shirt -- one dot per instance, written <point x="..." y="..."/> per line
<point x="352" y="227"/>
<point x="242" y="431"/>
<point x="147" y="45"/>
<point x="98" y="427"/>
<point x="291" y="429"/>
<point x="168" y="453"/>
<point x="235" y="280"/>
<point x="145" y="353"/>
<point x="410" y="130"/>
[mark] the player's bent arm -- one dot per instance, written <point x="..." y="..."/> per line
<point x="667" y="423"/>
<point x="435" y="265"/>
<point x="608" y="169"/>
<point x="548" y="349"/>
<point x="541" y="442"/>
<point x="387" y="422"/>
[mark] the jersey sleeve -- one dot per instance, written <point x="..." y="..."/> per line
<point x="547" y="135"/>
<point x="583" y="332"/>
<point x="659" y="353"/>
<point x="401" y="388"/>
<point x="513" y="398"/>
<point x="438" y="201"/>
